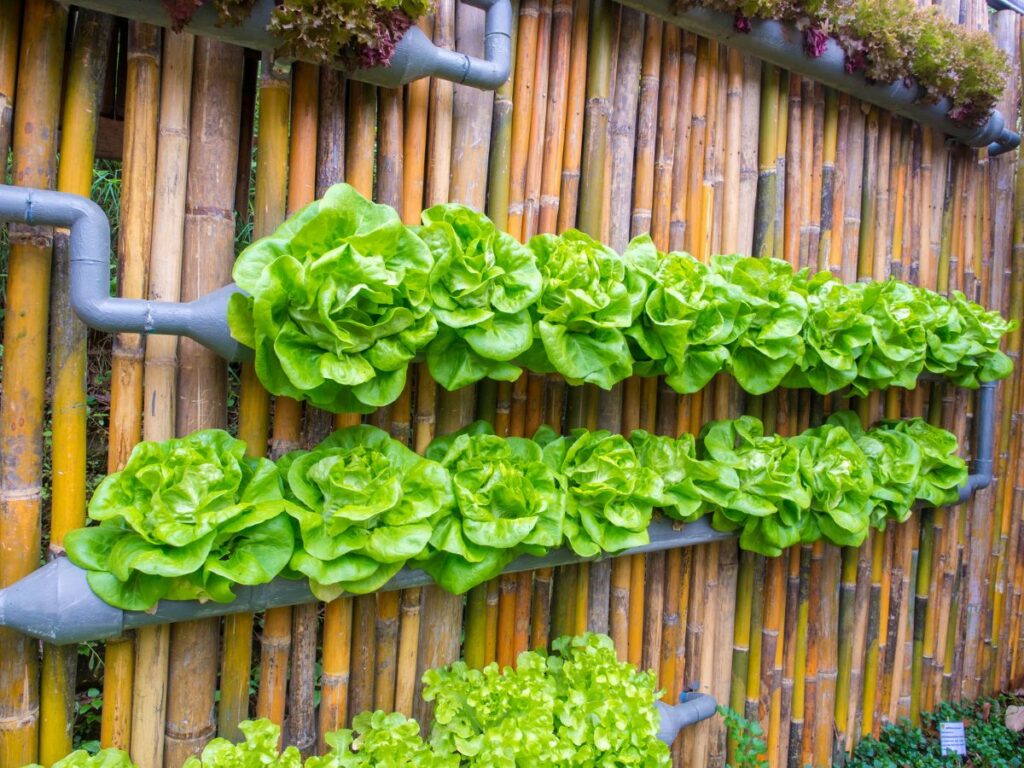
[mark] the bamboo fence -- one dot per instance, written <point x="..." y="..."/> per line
<point x="611" y="122"/>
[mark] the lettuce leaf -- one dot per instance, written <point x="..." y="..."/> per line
<point x="508" y="501"/>
<point x="481" y="286"/>
<point x="364" y="504"/>
<point x="185" y="518"/>
<point x="339" y="303"/>
<point x="259" y="750"/>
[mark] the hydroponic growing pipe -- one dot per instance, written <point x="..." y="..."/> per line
<point x="56" y="604"/>
<point x="415" y="55"/>
<point x="205" y="320"/>
<point x="783" y="45"/>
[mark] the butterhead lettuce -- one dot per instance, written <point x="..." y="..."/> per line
<point x="338" y="305"/>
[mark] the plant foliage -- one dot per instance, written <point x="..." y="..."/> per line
<point x="343" y="298"/>
<point x="891" y="41"/>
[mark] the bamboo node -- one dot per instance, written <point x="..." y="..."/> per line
<point x="28" y="234"/>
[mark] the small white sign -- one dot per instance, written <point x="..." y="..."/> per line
<point x="952" y="739"/>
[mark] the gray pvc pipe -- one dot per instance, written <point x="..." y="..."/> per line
<point x="984" y="436"/>
<point x="415" y="55"/>
<point x="204" y="320"/>
<point x="691" y="709"/>
<point x="56" y="604"/>
<point x="782" y="45"/>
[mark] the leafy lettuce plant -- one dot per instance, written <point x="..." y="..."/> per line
<point x="347" y="33"/>
<point x="105" y="758"/>
<point x="610" y="494"/>
<point x="757" y="488"/>
<point x="339" y="303"/>
<point x="184" y="519"/>
<point x="688" y="322"/>
<point x="838" y="476"/>
<point x="675" y="462"/>
<point x="259" y="750"/>
<point x="590" y="296"/>
<point x="942" y="471"/>
<point x="508" y="501"/>
<point x="364" y="504"/>
<point x="481" y="286"/>
<point x="380" y="740"/>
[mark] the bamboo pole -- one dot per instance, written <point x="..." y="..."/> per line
<point x="572" y="151"/>
<point x="10" y="27"/>
<point x="68" y="351"/>
<point x="301" y="189"/>
<point x="149" y="696"/>
<point x="269" y="209"/>
<point x="202" y="382"/>
<point x="141" y="102"/>
<point x="522" y="113"/>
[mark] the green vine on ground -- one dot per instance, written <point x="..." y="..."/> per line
<point x="890" y="41"/>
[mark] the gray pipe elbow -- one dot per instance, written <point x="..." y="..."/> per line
<point x="984" y="440"/>
<point x="692" y="708"/>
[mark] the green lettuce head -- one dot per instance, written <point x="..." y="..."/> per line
<point x="838" y="475"/>
<point x="942" y="471"/>
<point x="259" y="750"/>
<point x="611" y="495"/>
<point x="380" y="740"/>
<point x="481" y="286"/>
<point x="675" y="462"/>
<point x="758" y="488"/>
<point x="507" y="502"/>
<point x="963" y="341"/>
<point x="105" y="758"/>
<point x="339" y="303"/>
<point x="771" y="307"/>
<point x="895" y="355"/>
<point x="365" y="504"/>
<point x="590" y="297"/>
<point x="688" y="322"/>
<point x="184" y="519"/>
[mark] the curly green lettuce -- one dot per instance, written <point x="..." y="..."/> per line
<point x="185" y="519"/>
<point x="675" y="462"/>
<point x="339" y="303"/>
<point x="105" y="758"/>
<point x="481" y="286"/>
<point x="758" y="488"/>
<point x="380" y="740"/>
<point x="259" y="750"/>
<point x="610" y="494"/>
<point x="365" y="505"/>
<point x="942" y="471"/>
<point x="508" y="501"/>
<point x="688" y="323"/>
<point x="590" y="296"/>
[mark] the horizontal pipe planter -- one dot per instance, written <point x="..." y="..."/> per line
<point x="415" y="55"/>
<point x="691" y="709"/>
<point x="56" y="604"/>
<point x="782" y="45"/>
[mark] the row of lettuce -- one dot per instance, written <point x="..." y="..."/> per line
<point x="190" y="518"/>
<point x="343" y="297"/>
<point x="579" y="706"/>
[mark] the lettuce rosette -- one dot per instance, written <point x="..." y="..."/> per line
<point x="481" y="286"/>
<point x="590" y="296"/>
<point x="507" y="502"/>
<point x="261" y="749"/>
<point x="771" y="308"/>
<point x="838" y="476"/>
<point x="365" y="505"/>
<point x="688" y="320"/>
<point x="380" y="740"/>
<point x="963" y="341"/>
<point x="895" y="356"/>
<point x="105" y="758"/>
<point x="757" y="488"/>
<point x="674" y="460"/>
<point x="338" y="305"/>
<point x="185" y="519"/>
<point x="835" y="334"/>
<point x="942" y="471"/>
<point x="610" y="495"/>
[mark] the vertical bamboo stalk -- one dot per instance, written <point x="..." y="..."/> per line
<point x="301" y="163"/>
<point x="139" y="162"/>
<point x="68" y="351"/>
<point x="522" y="113"/>
<point x="572" y="150"/>
<point x="272" y="171"/>
<point x="10" y="27"/>
<point x="202" y="383"/>
<point x="149" y="697"/>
